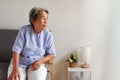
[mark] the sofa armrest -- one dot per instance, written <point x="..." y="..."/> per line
<point x="51" y="69"/>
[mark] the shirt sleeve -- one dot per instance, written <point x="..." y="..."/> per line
<point x="51" y="46"/>
<point x="19" y="41"/>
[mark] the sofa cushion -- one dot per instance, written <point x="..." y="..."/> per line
<point x="3" y="71"/>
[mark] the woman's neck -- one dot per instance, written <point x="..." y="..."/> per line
<point x="37" y="30"/>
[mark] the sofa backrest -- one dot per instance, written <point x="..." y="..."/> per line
<point x="7" y="37"/>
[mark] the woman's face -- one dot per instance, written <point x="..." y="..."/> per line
<point x="41" y="21"/>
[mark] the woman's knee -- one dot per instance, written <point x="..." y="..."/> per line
<point x="39" y="74"/>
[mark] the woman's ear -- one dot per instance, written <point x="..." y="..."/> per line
<point x="33" y="21"/>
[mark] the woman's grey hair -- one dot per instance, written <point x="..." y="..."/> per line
<point x="33" y="14"/>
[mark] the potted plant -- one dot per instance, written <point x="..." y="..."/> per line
<point x="73" y="59"/>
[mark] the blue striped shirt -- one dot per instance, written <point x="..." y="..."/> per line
<point x="32" y="46"/>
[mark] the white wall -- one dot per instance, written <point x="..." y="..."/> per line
<point x="74" y="23"/>
<point x="113" y="55"/>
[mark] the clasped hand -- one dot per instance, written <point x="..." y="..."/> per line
<point x="36" y="65"/>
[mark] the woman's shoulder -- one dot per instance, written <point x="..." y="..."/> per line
<point x="26" y="27"/>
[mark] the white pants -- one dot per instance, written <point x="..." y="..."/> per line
<point x="39" y="74"/>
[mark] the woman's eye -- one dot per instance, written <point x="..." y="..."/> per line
<point x="44" y="18"/>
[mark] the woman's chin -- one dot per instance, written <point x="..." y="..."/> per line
<point x="44" y="27"/>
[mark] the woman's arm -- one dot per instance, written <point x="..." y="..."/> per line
<point x="47" y="58"/>
<point x="44" y="60"/>
<point x="15" y="60"/>
<point x="15" y="72"/>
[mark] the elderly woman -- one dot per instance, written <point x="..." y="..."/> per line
<point x="33" y="47"/>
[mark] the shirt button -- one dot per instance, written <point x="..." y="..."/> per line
<point x="28" y="57"/>
<point x="33" y="58"/>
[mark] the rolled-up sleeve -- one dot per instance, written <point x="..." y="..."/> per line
<point x="19" y="41"/>
<point x="50" y="46"/>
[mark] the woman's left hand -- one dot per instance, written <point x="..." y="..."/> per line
<point x="36" y="65"/>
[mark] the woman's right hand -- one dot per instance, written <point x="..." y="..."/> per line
<point x="15" y="75"/>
